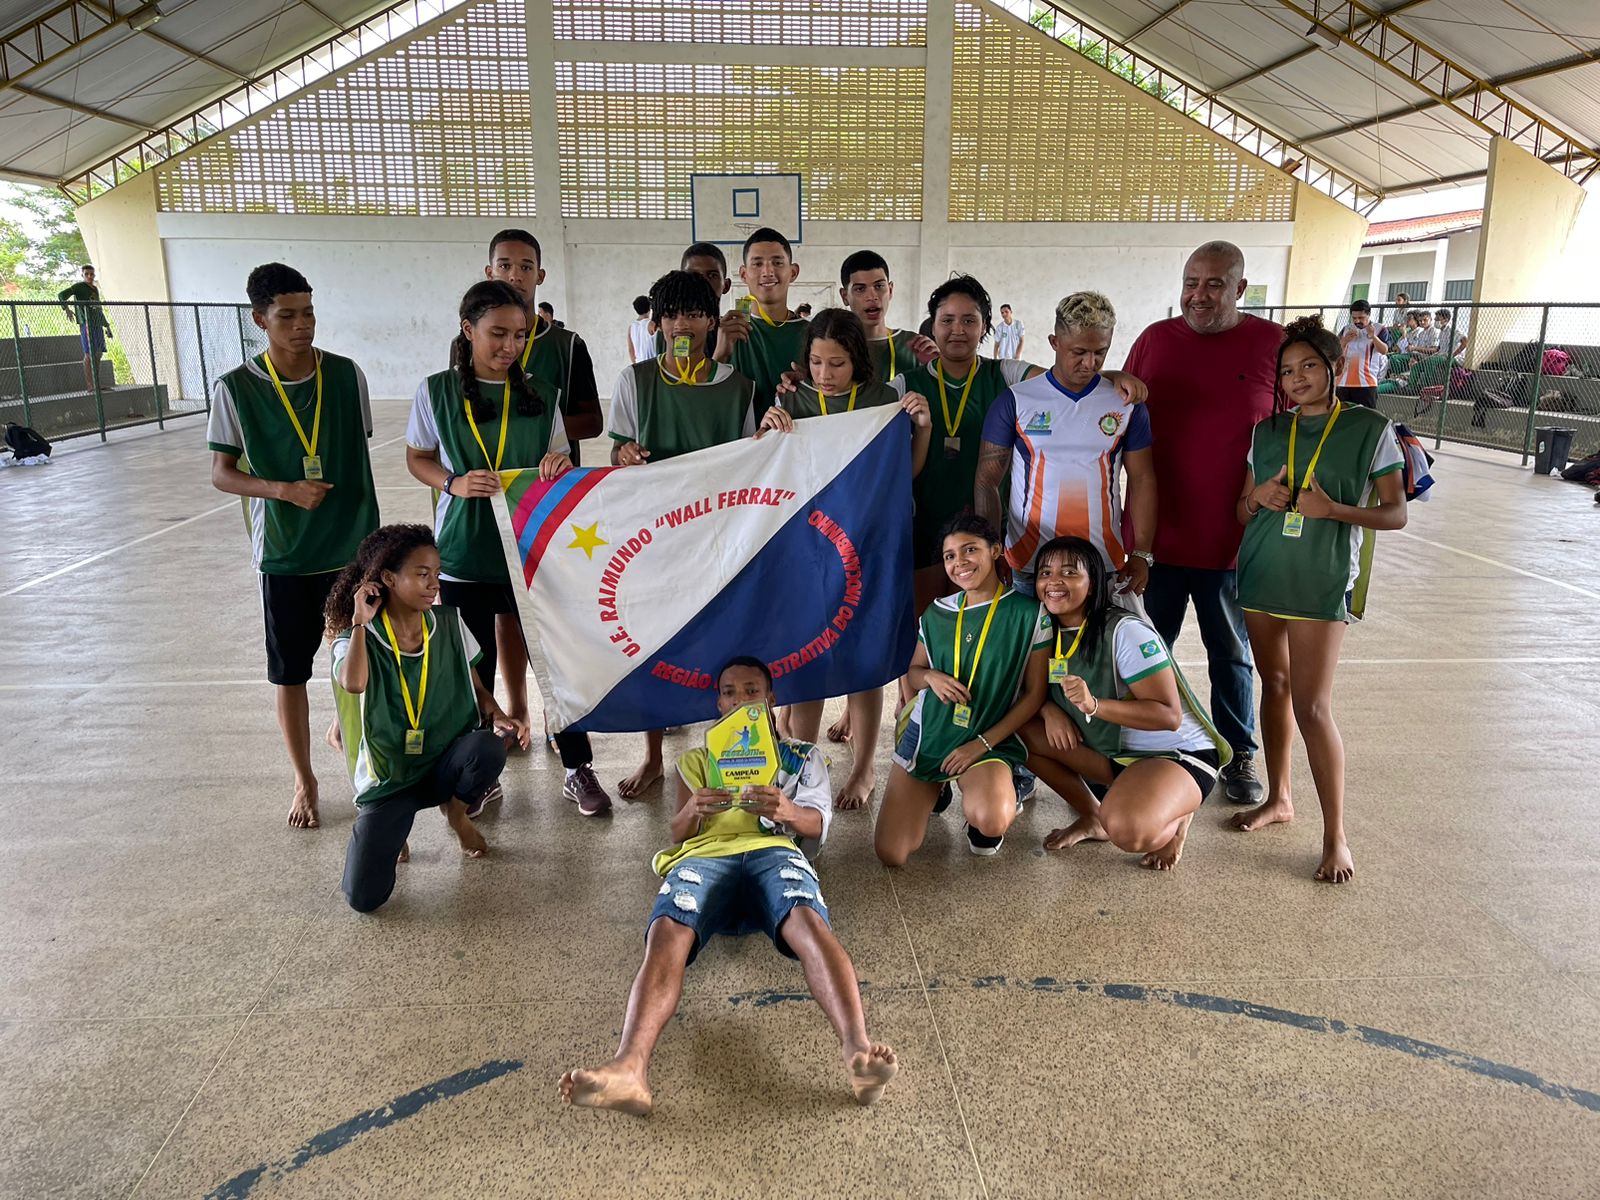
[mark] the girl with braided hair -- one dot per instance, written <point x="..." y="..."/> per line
<point x="410" y="708"/>
<point x="482" y="416"/>
<point x="1327" y="473"/>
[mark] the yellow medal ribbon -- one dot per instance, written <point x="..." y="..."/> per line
<point x="823" y="400"/>
<point x="690" y="376"/>
<point x="762" y="313"/>
<point x="414" y="715"/>
<point x="1073" y="649"/>
<point x="983" y="636"/>
<point x="944" y="402"/>
<point x="316" y="419"/>
<point x="1311" y="466"/>
<point x="891" y="354"/>
<point x="505" y="421"/>
<point x="532" y="338"/>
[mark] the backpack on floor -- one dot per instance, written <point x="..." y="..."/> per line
<point x="25" y="442"/>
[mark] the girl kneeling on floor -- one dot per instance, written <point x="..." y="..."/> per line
<point x="979" y="674"/>
<point x="1120" y="715"/>
<point x="411" y="707"/>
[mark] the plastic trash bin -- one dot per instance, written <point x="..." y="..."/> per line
<point x="1552" y="448"/>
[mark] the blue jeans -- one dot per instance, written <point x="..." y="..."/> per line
<point x="1216" y="607"/>
<point x="739" y="894"/>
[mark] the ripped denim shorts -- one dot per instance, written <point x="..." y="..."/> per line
<point x="739" y="894"/>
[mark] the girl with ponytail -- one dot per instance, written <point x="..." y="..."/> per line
<point x="410" y="707"/>
<point x="468" y="424"/>
<point x="1313" y="485"/>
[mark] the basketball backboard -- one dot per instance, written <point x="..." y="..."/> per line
<point x="726" y="209"/>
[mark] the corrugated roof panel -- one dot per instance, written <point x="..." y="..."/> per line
<point x="1491" y="37"/>
<point x="1573" y="95"/>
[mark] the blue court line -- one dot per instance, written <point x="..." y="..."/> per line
<point x="346" y="1132"/>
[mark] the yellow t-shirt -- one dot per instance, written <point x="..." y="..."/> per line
<point x="802" y="776"/>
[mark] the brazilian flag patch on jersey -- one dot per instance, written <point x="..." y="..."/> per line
<point x="1150" y="649"/>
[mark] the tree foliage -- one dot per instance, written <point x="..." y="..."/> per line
<point x="41" y="247"/>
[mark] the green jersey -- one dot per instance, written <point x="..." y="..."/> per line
<point x="807" y="401"/>
<point x="945" y="486"/>
<point x="85" y="300"/>
<point x="1310" y="575"/>
<point x="558" y="367"/>
<point x="769" y="351"/>
<point x="892" y="355"/>
<point x="441" y="420"/>
<point x="376" y="722"/>
<point x="928" y="729"/>
<point x="668" y="417"/>
<point x="248" y="421"/>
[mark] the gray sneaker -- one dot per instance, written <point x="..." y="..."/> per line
<point x="1239" y="782"/>
<point x="583" y="789"/>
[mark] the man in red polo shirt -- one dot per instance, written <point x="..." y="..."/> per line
<point x="1212" y="375"/>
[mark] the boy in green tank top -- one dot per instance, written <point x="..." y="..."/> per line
<point x="706" y="260"/>
<point x="866" y="289"/>
<point x="733" y="871"/>
<point x="288" y="432"/>
<point x="677" y="403"/>
<point x="764" y="342"/>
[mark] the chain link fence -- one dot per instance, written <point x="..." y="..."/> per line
<point x="68" y="372"/>
<point x="1485" y="374"/>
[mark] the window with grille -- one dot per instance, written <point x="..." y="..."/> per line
<point x="1457" y="289"/>
<point x="1416" y="292"/>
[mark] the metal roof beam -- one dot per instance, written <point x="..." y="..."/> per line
<point x="28" y="177"/>
<point x="1155" y="20"/>
<point x="1374" y="35"/>
<point x="87" y="110"/>
<point x="1306" y="52"/>
<point x="325" y="15"/>
<point x="196" y="55"/>
<point x="57" y="33"/>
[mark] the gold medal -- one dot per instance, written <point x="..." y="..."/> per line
<point x="1293" y="524"/>
<point x="962" y="716"/>
<point x="952" y="447"/>
<point x="744" y="304"/>
<point x="1059" y="670"/>
<point x="413" y="741"/>
<point x="312" y="464"/>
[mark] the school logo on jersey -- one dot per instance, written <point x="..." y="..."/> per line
<point x="1150" y="649"/>
<point x="1039" y="424"/>
<point x="1110" y="423"/>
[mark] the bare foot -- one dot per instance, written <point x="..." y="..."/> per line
<point x="611" y="1086"/>
<point x="839" y="731"/>
<point x="1084" y="829"/>
<point x="634" y="785"/>
<point x="303" y="812"/>
<point x="405" y="852"/>
<point x="1167" y="857"/>
<point x="857" y="789"/>
<point x="1273" y="812"/>
<point x="1337" y="865"/>
<point x="870" y="1071"/>
<point x="335" y="736"/>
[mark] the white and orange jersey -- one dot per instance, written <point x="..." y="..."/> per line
<point x="1066" y="453"/>
<point x="1360" y="358"/>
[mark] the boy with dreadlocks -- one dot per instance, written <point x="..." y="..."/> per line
<point x="677" y="403"/>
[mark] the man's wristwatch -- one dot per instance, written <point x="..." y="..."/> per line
<point x="1149" y="559"/>
<point x="449" y="478"/>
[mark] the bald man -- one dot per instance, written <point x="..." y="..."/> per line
<point x="1211" y="373"/>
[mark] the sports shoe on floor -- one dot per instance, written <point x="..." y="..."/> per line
<point x="583" y="788"/>
<point x="946" y="795"/>
<point x="495" y="792"/>
<point x="1239" y="782"/>
<point x="979" y="844"/>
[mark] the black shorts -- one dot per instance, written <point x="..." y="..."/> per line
<point x="1365" y="396"/>
<point x="292" y="605"/>
<point x="479" y="604"/>
<point x="1202" y="766"/>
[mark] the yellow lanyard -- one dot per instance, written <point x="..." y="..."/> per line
<point x="1073" y="649"/>
<point x="505" y="421"/>
<point x="891" y="354"/>
<point x="690" y="376"/>
<point x="983" y="636"/>
<point x="762" y="313"/>
<point x="823" y="400"/>
<point x="944" y="402"/>
<point x="414" y="715"/>
<point x="316" y="420"/>
<point x="1311" y="466"/>
<point x="534" y="337"/>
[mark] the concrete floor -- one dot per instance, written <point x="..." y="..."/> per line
<point x="188" y="1008"/>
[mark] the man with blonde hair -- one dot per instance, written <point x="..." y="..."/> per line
<point x="1064" y="436"/>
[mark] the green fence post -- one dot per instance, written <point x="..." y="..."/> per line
<point x="94" y="377"/>
<point x="155" y="381"/>
<point x="1538" y="385"/>
<point x="22" y="373"/>
<point x="200" y="341"/>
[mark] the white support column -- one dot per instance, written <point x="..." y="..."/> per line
<point x="550" y="227"/>
<point x="1441" y="252"/>
<point x="1375" y="280"/>
<point x="933" y="262"/>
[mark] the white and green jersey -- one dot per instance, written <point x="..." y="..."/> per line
<point x="771" y="349"/>
<point x="926" y="731"/>
<point x="807" y="401"/>
<point x="1309" y="576"/>
<point x="668" y="417"/>
<point x="464" y="527"/>
<point x="375" y="722"/>
<point x="248" y="421"/>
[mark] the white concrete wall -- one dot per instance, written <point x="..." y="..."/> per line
<point x="387" y="287"/>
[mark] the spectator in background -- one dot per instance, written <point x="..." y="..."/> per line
<point x="1452" y="338"/>
<point x="1407" y="329"/>
<point x="804" y="312"/>
<point x="1212" y="374"/>
<point x="1365" y="350"/>
<point x="1425" y="340"/>
<point x="1008" y="335"/>
<point x="93" y="328"/>
<point x="548" y="310"/>
<point x="641" y="333"/>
